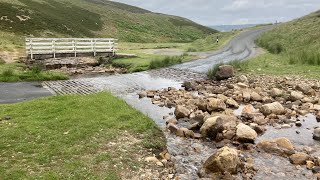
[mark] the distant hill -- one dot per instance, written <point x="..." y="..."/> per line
<point x="298" y="39"/>
<point x="228" y="28"/>
<point x="95" y="18"/>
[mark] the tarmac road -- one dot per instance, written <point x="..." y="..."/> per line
<point x="239" y="48"/>
<point x="22" y="91"/>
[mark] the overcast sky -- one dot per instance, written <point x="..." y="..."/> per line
<point x="217" y="12"/>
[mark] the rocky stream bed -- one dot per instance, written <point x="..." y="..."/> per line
<point x="255" y="127"/>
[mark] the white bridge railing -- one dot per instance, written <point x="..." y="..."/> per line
<point x="53" y="46"/>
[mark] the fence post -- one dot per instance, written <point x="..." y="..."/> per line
<point x="94" y="47"/>
<point x="54" y="48"/>
<point x="74" y="47"/>
<point x="31" y="53"/>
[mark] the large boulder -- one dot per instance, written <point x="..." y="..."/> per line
<point x="246" y="133"/>
<point x="225" y="72"/>
<point x="181" y="112"/>
<point x="295" y="95"/>
<point x="272" y="108"/>
<point x="216" y="105"/>
<point x="225" y="160"/>
<point x="299" y="158"/>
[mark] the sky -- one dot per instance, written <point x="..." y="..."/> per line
<point x="230" y="12"/>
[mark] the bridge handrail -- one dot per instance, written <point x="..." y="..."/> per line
<point x="38" y="46"/>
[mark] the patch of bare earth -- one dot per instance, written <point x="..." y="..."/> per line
<point x="10" y="56"/>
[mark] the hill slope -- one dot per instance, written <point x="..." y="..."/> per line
<point x="95" y="18"/>
<point x="298" y="40"/>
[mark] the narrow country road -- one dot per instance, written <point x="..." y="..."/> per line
<point x="239" y="48"/>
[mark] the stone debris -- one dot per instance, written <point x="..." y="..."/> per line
<point x="234" y="111"/>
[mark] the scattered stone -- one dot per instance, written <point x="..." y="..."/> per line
<point x="310" y="165"/>
<point x="316" y="169"/>
<point x="246" y="96"/>
<point x="153" y="160"/>
<point x="280" y="146"/>
<point x="222" y="97"/>
<point x="242" y="85"/>
<point x="216" y="105"/>
<point x="316" y="134"/>
<point x="207" y="127"/>
<point x="246" y="133"/>
<point x="285" y="126"/>
<point x="294" y="96"/>
<point x="184" y="132"/>
<point x="150" y="94"/>
<point x="255" y="97"/>
<point x="299" y="158"/>
<point x="275" y="92"/>
<point x="272" y="108"/>
<point x="318" y="116"/>
<point x="173" y="128"/>
<point x="181" y="112"/>
<point x="303" y="88"/>
<point x="298" y="124"/>
<point x="225" y="160"/>
<point x="172" y="120"/>
<point x="248" y="109"/>
<point x="225" y="72"/>
<point x="232" y="103"/>
<point x="284" y="143"/>
<point x="243" y="79"/>
<point x="142" y="94"/>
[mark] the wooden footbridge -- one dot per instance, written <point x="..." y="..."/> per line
<point x="44" y="48"/>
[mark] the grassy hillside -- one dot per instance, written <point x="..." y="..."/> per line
<point x="91" y="18"/>
<point x="293" y="49"/>
<point x="297" y="41"/>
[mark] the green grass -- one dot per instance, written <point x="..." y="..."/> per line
<point x="209" y="43"/>
<point x="2" y="61"/>
<point x="279" y="65"/>
<point x="293" y="49"/>
<point x="15" y="72"/>
<point x="167" y="61"/>
<point x="298" y="40"/>
<point x="149" y="61"/>
<point x="74" y="137"/>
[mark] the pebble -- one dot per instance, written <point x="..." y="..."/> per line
<point x="285" y="126"/>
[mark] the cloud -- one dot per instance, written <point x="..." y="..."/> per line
<point x="215" y="12"/>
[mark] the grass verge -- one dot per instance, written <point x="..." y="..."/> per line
<point x="273" y="64"/>
<point x="74" y="137"/>
<point x="15" y="72"/>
